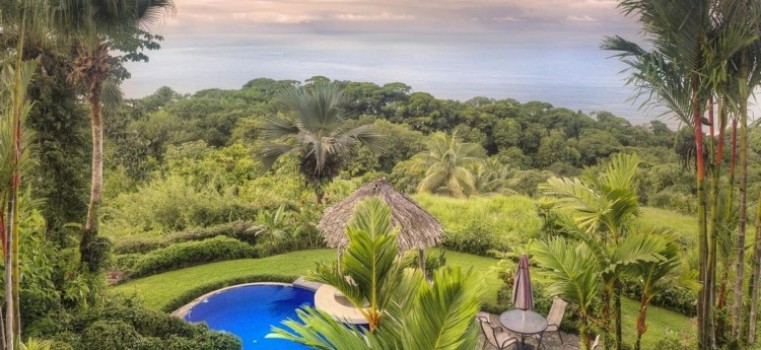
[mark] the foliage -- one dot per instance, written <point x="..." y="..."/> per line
<point x="171" y="204"/>
<point x="449" y="163"/>
<point x="240" y="230"/>
<point x="191" y="253"/>
<point x="416" y="314"/>
<point x="317" y="134"/>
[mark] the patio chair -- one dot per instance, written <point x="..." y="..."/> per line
<point x="596" y="344"/>
<point x="555" y="316"/>
<point x="494" y="336"/>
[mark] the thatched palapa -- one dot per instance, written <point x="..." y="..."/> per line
<point x="417" y="228"/>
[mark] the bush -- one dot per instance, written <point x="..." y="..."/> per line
<point x="240" y="230"/>
<point x="477" y="238"/>
<point x="109" y="335"/>
<point x="683" y="203"/>
<point x="192" y="253"/>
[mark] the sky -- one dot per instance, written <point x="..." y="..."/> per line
<point x="544" y="50"/>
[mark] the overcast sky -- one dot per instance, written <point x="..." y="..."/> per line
<point x="552" y="21"/>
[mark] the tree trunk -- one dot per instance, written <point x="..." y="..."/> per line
<point x="617" y="298"/>
<point x="10" y="315"/>
<point x="606" y="315"/>
<point x="641" y="325"/>
<point x="714" y="221"/>
<point x="96" y="185"/>
<point x="704" y="298"/>
<point x="755" y="280"/>
<point x="740" y="273"/>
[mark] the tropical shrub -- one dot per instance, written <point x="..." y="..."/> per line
<point x="192" y="253"/>
<point x="171" y="204"/>
<point x="477" y="238"/>
<point x="109" y="335"/>
<point x="240" y="230"/>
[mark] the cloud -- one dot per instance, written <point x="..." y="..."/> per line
<point x="584" y="18"/>
<point x="274" y="17"/>
<point x="383" y="16"/>
<point x="507" y="19"/>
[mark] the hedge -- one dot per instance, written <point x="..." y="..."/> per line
<point x="189" y="254"/>
<point x="240" y="230"/>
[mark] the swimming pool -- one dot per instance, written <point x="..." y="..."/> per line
<point x="250" y="311"/>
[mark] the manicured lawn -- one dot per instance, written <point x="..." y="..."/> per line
<point x="157" y="290"/>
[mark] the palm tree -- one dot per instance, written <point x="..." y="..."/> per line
<point x="449" y="161"/>
<point x="601" y="214"/>
<point x="656" y="276"/>
<point x="491" y="176"/>
<point x="316" y="133"/>
<point x="574" y="277"/>
<point x="97" y="29"/>
<point x="20" y="18"/>
<point x="416" y="314"/>
<point x="691" y="41"/>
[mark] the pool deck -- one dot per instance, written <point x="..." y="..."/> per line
<point x="328" y="299"/>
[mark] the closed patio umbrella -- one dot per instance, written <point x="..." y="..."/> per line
<point x="523" y="296"/>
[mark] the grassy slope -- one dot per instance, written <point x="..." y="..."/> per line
<point x="158" y="289"/>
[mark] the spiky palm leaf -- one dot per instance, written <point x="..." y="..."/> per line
<point x="417" y="315"/>
<point x="370" y="270"/>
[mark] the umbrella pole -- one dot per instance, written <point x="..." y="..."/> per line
<point x="421" y="260"/>
<point x="340" y="256"/>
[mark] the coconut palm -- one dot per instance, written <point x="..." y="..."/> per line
<point x="97" y="29"/>
<point x="317" y="133"/>
<point x="416" y="314"/>
<point x="449" y="161"/>
<point x="491" y="176"/>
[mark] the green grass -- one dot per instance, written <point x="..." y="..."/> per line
<point x="158" y="290"/>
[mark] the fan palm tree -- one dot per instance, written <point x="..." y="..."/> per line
<point x="449" y="161"/>
<point x="316" y="133"/>
<point x="97" y="29"/>
<point x="416" y="315"/>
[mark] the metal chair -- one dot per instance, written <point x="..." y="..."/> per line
<point x="555" y="317"/>
<point x="494" y="336"/>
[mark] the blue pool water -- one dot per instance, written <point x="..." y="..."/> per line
<point x="250" y="312"/>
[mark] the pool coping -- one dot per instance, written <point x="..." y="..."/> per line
<point x="182" y="311"/>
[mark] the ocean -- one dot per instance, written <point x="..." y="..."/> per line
<point x="578" y="76"/>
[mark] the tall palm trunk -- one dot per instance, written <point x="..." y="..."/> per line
<point x="704" y="299"/>
<point x="714" y="220"/>
<point x="95" y="76"/>
<point x="617" y="291"/>
<point x="755" y="280"/>
<point x="644" y="301"/>
<point x="742" y="217"/>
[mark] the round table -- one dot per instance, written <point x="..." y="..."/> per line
<point x="523" y="322"/>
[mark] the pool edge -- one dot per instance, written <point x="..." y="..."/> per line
<point x="182" y="311"/>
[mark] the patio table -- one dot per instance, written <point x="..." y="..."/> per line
<point x="524" y="323"/>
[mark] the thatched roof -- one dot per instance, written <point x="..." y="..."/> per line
<point x="417" y="228"/>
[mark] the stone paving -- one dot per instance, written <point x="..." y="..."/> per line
<point x="550" y="342"/>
